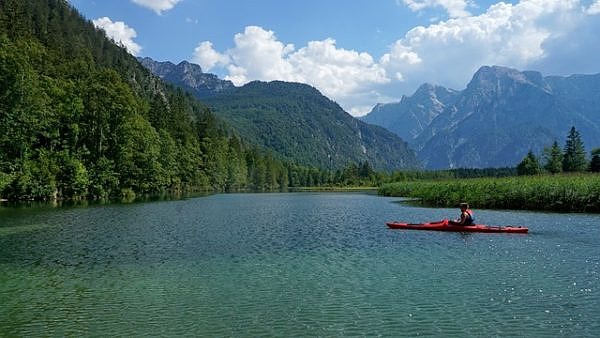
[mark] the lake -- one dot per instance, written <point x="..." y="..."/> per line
<point x="293" y="264"/>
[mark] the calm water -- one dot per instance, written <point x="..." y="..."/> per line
<point x="298" y="264"/>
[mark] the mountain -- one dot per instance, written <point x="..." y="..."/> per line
<point x="294" y="120"/>
<point x="81" y="118"/>
<point x="300" y="124"/>
<point x="189" y="76"/>
<point x="503" y="113"/>
<point x="409" y="117"/>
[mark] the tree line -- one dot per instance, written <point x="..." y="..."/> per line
<point x="554" y="160"/>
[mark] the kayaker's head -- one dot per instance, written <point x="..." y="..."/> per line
<point x="464" y="206"/>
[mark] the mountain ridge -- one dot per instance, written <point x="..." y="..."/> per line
<point x="502" y="114"/>
<point x="414" y="112"/>
<point x="188" y="75"/>
<point x="302" y="125"/>
<point x="305" y="126"/>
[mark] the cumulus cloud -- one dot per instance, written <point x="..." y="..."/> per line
<point x="594" y="8"/>
<point x="552" y="36"/>
<point x="339" y="72"/>
<point x="120" y="33"/>
<point x="207" y="57"/>
<point x="455" y="8"/>
<point x="450" y="51"/>
<point x="157" y="5"/>
<point x="576" y="50"/>
<point x="258" y="55"/>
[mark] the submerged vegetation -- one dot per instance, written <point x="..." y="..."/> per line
<point x="566" y="192"/>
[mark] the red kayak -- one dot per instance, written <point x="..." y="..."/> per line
<point x="445" y="225"/>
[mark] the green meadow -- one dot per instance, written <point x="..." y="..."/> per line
<point x="564" y="193"/>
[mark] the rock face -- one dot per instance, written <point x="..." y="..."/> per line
<point x="189" y="76"/>
<point x="501" y="115"/>
<point x="411" y="116"/>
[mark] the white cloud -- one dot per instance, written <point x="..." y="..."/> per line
<point x="552" y="36"/>
<point x="120" y="33"/>
<point x="338" y="73"/>
<point x="575" y="50"/>
<point x="157" y="5"/>
<point x="449" y="52"/>
<point x="258" y="55"/>
<point x="207" y="57"/>
<point x="594" y="8"/>
<point x="455" y="8"/>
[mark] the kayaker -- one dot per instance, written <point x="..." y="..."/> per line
<point x="466" y="216"/>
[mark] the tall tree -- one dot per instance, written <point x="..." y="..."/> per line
<point x="529" y="166"/>
<point x="554" y="159"/>
<point x="574" y="157"/>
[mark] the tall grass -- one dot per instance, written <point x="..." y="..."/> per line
<point x="570" y="193"/>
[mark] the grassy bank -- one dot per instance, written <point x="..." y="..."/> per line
<point x="570" y="193"/>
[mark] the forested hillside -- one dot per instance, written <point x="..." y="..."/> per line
<point x="293" y="120"/>
<point x="81" y="118"/>
<point x="300" y="124"/>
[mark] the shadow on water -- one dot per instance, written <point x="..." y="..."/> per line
<point x="99" y="202"/>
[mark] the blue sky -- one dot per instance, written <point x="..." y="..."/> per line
<point x="364" y="25"/>
<point x="357" y="52"/>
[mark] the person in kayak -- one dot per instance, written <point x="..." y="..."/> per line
<point x="466" y="216"/>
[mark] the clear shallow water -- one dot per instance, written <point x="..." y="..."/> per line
<point x="299" y="264"/>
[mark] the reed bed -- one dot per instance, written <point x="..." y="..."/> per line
<point x="564" y="193"/>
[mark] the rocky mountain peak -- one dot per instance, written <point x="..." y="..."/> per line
<point x="189" y="68"/>
<point x="494" y="81"/>
<point x="189" y="76"/>
<point x="501" y="115"/>
<point x="492" y="75"/>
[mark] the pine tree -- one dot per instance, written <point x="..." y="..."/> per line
<point x="574" y="157"/>
<point x="365" y="170"/>
<point x="529" y="166"/>
<point x="554" y="158"/>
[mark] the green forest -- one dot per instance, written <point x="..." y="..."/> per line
<point x="80" y="118"/>
<point x="300" y="124"/>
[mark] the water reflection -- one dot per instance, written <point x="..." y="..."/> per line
<point x="308" y="264"/>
